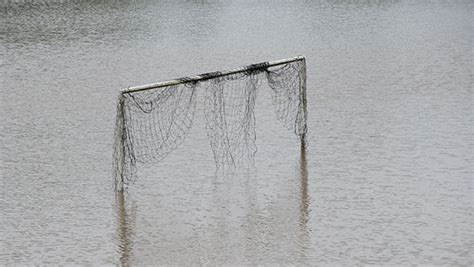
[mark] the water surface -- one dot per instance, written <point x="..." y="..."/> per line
<point x="386" y="177"/>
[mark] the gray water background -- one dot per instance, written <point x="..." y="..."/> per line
<point x="386" y="178"/>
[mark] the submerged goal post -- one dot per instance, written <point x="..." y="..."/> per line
<point x="153" y="119"/>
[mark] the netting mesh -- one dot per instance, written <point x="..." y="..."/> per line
<point x="287" y="83"/>
<point x="230" y="118"/>
<point x="152" y="123"/>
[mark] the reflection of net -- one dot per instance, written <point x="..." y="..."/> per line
<point x="151" y="123"/>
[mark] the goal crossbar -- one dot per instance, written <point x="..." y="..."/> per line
<point x="211" y="75"/>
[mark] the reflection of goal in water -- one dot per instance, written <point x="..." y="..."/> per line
<point x="152" y="120"/>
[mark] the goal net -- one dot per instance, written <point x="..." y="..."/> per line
<point x="152" y="120"/>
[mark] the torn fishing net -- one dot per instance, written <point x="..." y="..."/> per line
<point x="152" y="123"/>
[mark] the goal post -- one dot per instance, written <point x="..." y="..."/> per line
<point x="216" y="74"/>
<point x="153" y="119"/>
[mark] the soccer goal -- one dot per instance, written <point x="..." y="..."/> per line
<point x="152" y="120"/>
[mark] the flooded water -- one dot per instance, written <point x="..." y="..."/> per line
<point x="386" y="178"/>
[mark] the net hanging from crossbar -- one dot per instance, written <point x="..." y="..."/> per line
<point x="153" y="120"/>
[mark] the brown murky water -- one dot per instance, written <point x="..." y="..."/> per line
<point x="386" y="177"/>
